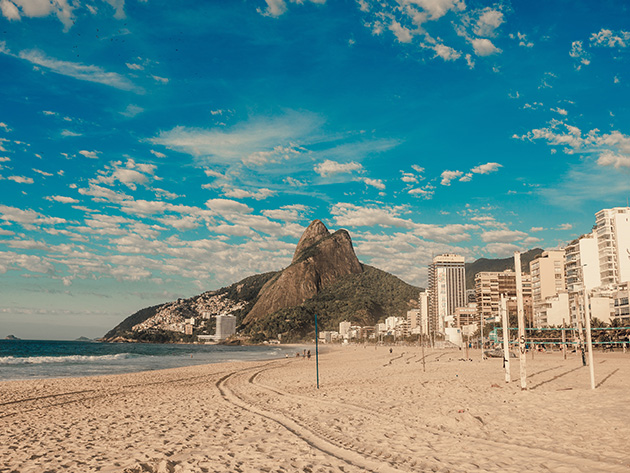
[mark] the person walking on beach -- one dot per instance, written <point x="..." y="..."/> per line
<point x="308" y="354"/>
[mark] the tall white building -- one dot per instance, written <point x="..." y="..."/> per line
<point x="547" y="273"/>
<point x="344" y="328"/>
<point x="447" y="289"/>
<point x="226" y="326"/>
<point x="581" y="271"/>
<point x="613" y="239"/>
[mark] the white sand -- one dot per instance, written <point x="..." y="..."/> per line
<point x="373" y="412"/>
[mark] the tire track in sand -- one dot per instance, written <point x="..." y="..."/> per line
<point x="316" y="439"/>
<point x="494" y="448"/>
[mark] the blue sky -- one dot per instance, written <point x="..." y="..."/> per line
<point x="151" y="150"/>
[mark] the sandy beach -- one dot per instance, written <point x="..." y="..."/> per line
<point x="374" y="411"/>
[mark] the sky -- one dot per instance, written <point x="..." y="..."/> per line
<point x="151" y="150"/>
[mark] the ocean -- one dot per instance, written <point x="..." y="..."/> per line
<point x="33" y="359"/>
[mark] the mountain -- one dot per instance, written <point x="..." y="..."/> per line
<point x="324" y="278"/>
<point x="484" y="264"/>
<point x="319" y="260"/>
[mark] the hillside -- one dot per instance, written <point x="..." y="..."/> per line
<point x="364" y="299"/>
<point x="484" y="264"/>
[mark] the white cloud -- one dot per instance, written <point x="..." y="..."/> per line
<point x="577" y="52"/>
<point x="502" y="236"/>
<point x="611" y="149"/>
<point x="425" y="192"/>
<point x="43" y="173"/>
<point x="38" y="8"/>
<point x="502" y="250"/>
<point x="70" y="133"/>
<point x="484" y="47"/>
<point x="610" y="39"/>
<point x="559" y="110"/>
<point x="78" y="71"/>
<point x="228" y="206"/>
<point x="329" y="168"/>
<point x="135" y="67"/>
<point x="488" y="22"/>
<point x="157" y="154"/>
<point x="277" y="155"/>
<point x="9" y="10"/>
<point x="89" y="154"/>
<point x="259" y="194"/>
<point x="162" y="80"/>
<point x="378" y="183"/>
<point x="276" y="8"/>
<point x="5" y="127"/>
<point x="21" y="179"/>
<point x="403" y="35"/>
<point x="293" y="182"/>
<point x="446" y="52"/>
<point x="565" y="226"/>
<point x="245" y="139"/>
<point x="14" y="214"/>
<point x="131" y="175"/>
<point x="448" y="176"/>
<point x="62" y="199"/>
<point x="408" y="177"/>
<point x="351" y="215"/>
<point x="132" y="110"/>
<point x="486" y="168"/>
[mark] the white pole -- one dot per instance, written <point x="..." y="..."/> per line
<point x="506" y="340"/>
<point x="483" y="357"/>
<point x="589" y="342"/>
<point x="521" y="319"/>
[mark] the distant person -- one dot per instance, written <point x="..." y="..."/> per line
<point x="308" y="354"/>
<point x="391" y="350"/>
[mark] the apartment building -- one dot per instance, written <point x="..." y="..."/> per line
<point x="447" y="289"/>
<point x="613" y="241"/>
<point x="489" y="285"/>
<point x="547" y="279"/>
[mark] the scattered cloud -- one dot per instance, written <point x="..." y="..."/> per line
<point x="89" y="73"/>
<point x="62" y="199"/>
<point x="448" y="176"/>
<point x="378" y="183"/>
<point x="486" y="168"/>
<point x="609" y="39"/>
<point x="330" y="168"/>
<point x="21" y="179"/>
<point x="484" y="47"/>
<point x="89" y="154"/>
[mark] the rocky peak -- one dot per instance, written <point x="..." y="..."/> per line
<point x="314" y="233"/>
<point x="320" y="259"/>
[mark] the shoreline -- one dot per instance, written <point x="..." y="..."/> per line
<point x="374" y="411"/>
<point x="24" y="364"/>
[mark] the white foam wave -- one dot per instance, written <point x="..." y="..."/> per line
<point x="38" y="360"/>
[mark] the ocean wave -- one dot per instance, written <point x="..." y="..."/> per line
<point x="38" y="360"/>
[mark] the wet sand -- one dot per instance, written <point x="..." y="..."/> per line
<point x="374" y="411"/>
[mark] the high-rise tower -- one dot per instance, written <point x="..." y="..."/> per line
<point x="447" y="289"/>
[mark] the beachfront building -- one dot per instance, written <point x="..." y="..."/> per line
<point x="226" y="326"/>
<point x="547" y="276"/>
<point x="344" y="328"/>
<point x="621" y="305"/>
<point x="613" y="241"/>
<point x="447" y="289"/>
<point x="581" y="272"/>
<point x="489" y="285"/>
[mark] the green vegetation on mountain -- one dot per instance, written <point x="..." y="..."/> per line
<point x="362" y="299"/>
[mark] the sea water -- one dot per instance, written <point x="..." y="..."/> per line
<point x="32" y="359"/>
